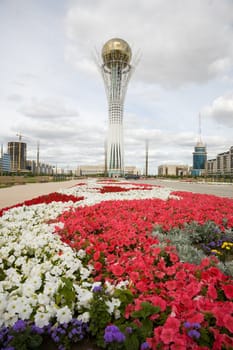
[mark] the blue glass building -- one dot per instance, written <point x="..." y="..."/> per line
<point x="199" y="159"/>
<point x="5" y="163"/>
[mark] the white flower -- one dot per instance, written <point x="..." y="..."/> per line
<point x="51" y="287"/>
<point x="41" y="319"/>
<point x="3" y="300"/>
<point x="8" y="319"/>
<point x="109" y="288"/>
<point x="117" y="314"/>
<point x="85" y="317"/>
<point x="84" y="297"/>
<point x="25" y="311"/>
<point x="43" y="299"/>
<point x="28" y="289"/>
<point x="10" y="259"/>
<point x="85" y="273"/>
<point x="81" y="253"/>
<point x="64" y="315"/>
<point x="36" y="282"/>
<point x="122" y="285"/>
<point x="112" y="305"/>
<point x="56" y="271"/>
<point x="13" y="306"/>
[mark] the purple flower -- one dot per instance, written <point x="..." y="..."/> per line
<point x="97" y="289"/>
<point x="19" y="326"/>
<point x="108" y="337"/>
<point x="187" y="325"/>
<point x="119" y="337"/>
<point x="196" y="325"/>
<point x="61" y="347"/>
<point x="128" y="330"/>
<point x="194" y="334"/>
<point x="112" y="333"/>
<point x="9" y="338"/>
<point x="144" y="346"/>
<point x="36" y="329"/>
<point x="112" y="328"/>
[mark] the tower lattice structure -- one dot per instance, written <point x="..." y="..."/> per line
<point x="116" y="71"/>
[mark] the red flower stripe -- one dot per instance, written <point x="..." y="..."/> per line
<point x="48" y="198"/>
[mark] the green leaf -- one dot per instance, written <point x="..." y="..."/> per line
<point x="131" y="342"/>
<point x="147" y="309"/>
<point x="147" y="327"/>
<point x="2" y="275"/>
<point x="66" y="293"/>
<point x="35" y="341"/>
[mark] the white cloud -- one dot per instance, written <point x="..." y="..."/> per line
<point x="49" y="108"/>
<point x="221" y="110"/>
<point x="181" y="41"/>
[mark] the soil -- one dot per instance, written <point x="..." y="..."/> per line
<point x="86" y="344"/>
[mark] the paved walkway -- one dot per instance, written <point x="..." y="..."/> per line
<point x="218" y="189"/>
<point x="19" y="193"/>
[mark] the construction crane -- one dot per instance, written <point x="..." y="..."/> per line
<point x="20" y="136"/>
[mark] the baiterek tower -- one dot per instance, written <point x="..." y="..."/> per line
<point x="116" y="71"/>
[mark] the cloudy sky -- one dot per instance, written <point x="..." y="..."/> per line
<point x="51" y="89"/>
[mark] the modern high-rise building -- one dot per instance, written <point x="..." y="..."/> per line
<point x="199" y="155"/>
<point x="116" y="71"/>
<point x="199" y="159"/>
<point x="18" y="153"/>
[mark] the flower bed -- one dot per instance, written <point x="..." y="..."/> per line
<point x="104" y="268"/>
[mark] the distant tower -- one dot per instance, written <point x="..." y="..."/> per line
<point x="116" y="71"/>
<point x="199" y="155"/>
<point x="146" y="167"/>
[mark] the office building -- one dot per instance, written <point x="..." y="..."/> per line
<point x="199" y="159"/>
<point x="95" y="170"/>
<point x="5" y="163"/>
<point x="222" y="164"/>
<point x="173" y="170"/>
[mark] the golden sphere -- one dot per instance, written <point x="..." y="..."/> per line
<point x="116" y="50"/>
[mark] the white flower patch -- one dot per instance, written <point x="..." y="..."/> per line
<point x="34" y="263"/>
<point x="91" y="192"/>
<point x="34" y="260"/>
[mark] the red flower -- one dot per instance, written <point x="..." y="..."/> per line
<point x="117" y="270"/>
<point x="96" y="255"/>
<point x="170" y="330"/>
<point x="98" y="266"/>
<point x="228" y="290"/>
<point x="212" y="293"/>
